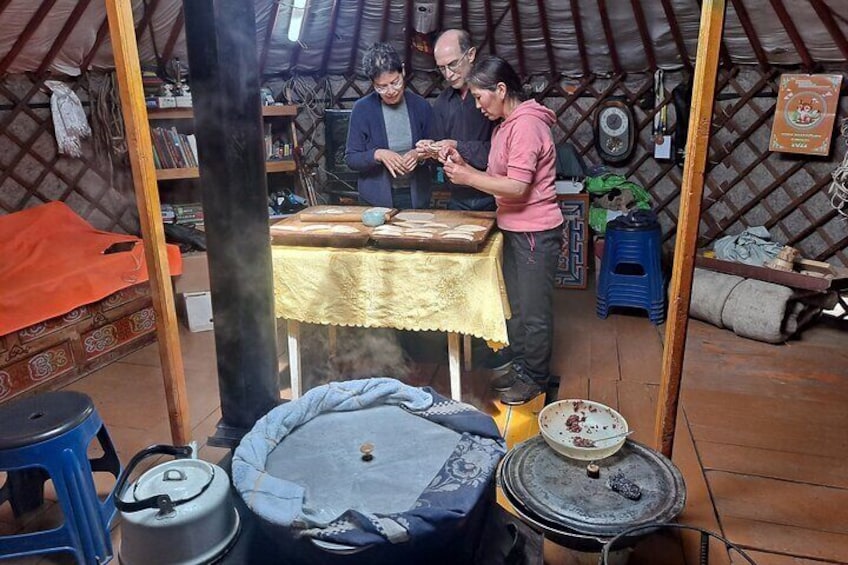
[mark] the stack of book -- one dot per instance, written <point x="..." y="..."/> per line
<point x="189" y="215"/>
<point x="172" y="149"/>
<point x="168" y="214"/>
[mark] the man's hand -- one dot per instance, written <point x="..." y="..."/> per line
<point x="429" y="149"/>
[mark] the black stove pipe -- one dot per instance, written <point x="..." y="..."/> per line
<point x="224" y="71"/>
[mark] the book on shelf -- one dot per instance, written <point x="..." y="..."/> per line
<point x="172" y="149"/>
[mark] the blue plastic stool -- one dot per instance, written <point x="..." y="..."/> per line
<point x="47" y="437"/>
<point x="631" y="270"/>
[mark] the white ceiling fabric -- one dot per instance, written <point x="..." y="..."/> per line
<point x="775" y="41"/>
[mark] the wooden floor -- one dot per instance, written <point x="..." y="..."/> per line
<point x="762" y="436"/>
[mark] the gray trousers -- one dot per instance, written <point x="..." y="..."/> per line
<point x="529" y="265"/>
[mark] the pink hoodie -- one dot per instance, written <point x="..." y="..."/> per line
<point x="523" y="150"/>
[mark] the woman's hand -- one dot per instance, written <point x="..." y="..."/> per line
<point x="456" y="169"/>
<point x="410" y="160"/>
<point x="394" y="163"/>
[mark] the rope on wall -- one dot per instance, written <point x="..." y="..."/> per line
<point x="110" y="140"/>
<point x="839" y="187"/>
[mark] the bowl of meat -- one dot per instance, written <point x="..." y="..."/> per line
<point x="583" y="429"/>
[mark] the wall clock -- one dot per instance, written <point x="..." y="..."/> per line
<point x="614" y="131"/>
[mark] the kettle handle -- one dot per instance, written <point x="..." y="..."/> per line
<point x="162" y="501"/>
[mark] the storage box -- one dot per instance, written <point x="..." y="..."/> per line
<point x="196" y="310"/>
<point x="182" y="101"/>
<point x="195" y="277"/>
<point x="166" y="102"/>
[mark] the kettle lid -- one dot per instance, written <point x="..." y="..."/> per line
<point x="181" y="480"/>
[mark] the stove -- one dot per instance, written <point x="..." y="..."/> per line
<point x="573" y="503"/>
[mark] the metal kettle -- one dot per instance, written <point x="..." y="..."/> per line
<point x="177" y="512"/>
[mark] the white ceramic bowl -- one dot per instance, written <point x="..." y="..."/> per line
<point x="577" y="428"/>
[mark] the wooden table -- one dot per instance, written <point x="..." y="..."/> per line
<point x="462" y="294"/>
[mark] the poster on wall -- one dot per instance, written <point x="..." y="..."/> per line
<point x="805" y="112"/>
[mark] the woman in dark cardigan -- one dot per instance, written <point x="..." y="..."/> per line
<point x="384" y="127"/>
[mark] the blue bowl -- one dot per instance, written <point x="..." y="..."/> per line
<point x="374" y="218"/>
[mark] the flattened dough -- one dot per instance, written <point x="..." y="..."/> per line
<point x="458" y="235"/>
<point x="344" y="229"/>
<point x="420" y="216"/>
<point x="315" y="227"/>
<point x="471" y="228"/>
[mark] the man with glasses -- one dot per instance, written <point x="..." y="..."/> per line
<point x="456" y="120"/>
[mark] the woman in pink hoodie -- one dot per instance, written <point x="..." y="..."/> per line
<point x="520" y="175"/>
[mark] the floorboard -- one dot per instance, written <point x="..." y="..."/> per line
<point x="761" y="437"/>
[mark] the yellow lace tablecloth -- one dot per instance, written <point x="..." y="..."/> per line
<point x="407" y="290"/>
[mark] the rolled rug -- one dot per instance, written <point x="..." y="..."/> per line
<point x="709" y="294"/>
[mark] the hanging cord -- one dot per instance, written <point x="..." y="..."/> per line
<point x="839" y="187"/>
<point x="110" y="142"/>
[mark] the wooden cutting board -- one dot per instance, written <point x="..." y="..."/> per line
<point x="294" y="231"/>
<point x="325" y="214"/>
<point x="484" y="221"/>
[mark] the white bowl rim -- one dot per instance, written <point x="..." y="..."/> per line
<point x="615" y="413"/>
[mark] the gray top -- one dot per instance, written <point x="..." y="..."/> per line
<point x="399" y="134"/>
<point x="323" y="455"/>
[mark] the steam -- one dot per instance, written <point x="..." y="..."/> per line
<point x="359" y="353"/>
<point x="415" y="358"/>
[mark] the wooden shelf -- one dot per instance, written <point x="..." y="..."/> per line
<point x="282" y="166"/>
<point x="188" y="113"/>
<point x="287" y="110"/>
<point x="170" y="113"/>
<point x="173" y="174"/>
<point x="278" y="166"/>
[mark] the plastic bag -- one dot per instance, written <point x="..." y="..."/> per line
<point x="69" y="121"/>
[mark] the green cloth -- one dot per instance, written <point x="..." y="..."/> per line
<point x="604" y="183"/>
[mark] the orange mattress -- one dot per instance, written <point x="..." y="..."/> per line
<point x="52" y="261"/>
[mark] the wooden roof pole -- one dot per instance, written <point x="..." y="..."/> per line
<point x="691" y="191"/>
<point x="128" y="69"/>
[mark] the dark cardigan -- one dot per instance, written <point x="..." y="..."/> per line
<point x="367" y="133"/>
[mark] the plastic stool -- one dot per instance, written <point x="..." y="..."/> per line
<point x="631" y="270"/>
<point x="47" y="437"/>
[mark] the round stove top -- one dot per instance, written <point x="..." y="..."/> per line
<point x="557" y="491"/>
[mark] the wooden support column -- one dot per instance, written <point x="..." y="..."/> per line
<point x="139" y="143"/>
<point x="691" y="192"/>
<point x="224" y="71"/>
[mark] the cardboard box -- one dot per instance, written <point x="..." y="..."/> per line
<point x="195" y="277"/>
<point x="196" y="311"/>
<point x="166" y="102"/>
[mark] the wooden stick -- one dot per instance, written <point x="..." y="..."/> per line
<point x="150" y="214"/>
<point x="697" y="147"/>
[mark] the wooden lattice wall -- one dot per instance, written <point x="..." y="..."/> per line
<point x="33" y="172"/>
<point x="746" y="184"/>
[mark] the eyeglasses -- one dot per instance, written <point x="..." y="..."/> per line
<point x="454" y="65"/>
<point x="393" y="86"/>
